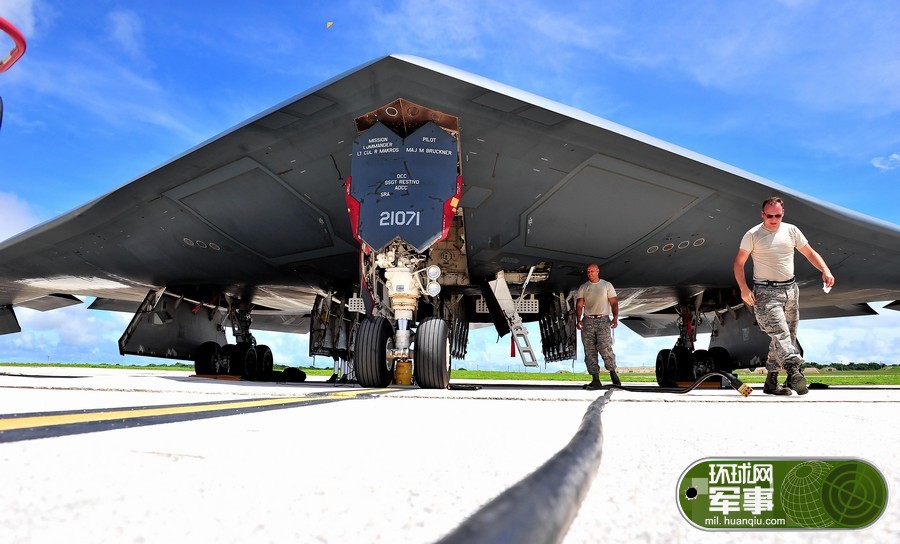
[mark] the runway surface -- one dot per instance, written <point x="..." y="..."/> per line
<point x="157" y="456"/>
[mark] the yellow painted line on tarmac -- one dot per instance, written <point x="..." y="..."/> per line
<point x="9" y="424"/>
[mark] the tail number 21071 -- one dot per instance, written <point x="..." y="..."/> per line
<point x="387" y="219"/>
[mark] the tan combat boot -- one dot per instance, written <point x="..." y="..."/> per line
<point x="772" y="387"/>
<point x="796" y="380"/>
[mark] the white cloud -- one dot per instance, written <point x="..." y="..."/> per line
<point x="126" y="31"/>
<point x="891" y="162"/>
<point x="75" y="334"/>
<point x="110" y="91"/>
<point x="16" y="217"/>
<point x="114" y="84"/>
<point x="21" y="14"/>
<point x="288" y="349"/>
<point x="71" y="334"/>
<point x="569" y="29"/>
<point x="829" y="58"/>
<point x="22" y="124"/>
<point x="443" y="27"/>
<point x="853" y="339"/>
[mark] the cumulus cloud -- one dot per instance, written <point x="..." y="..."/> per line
<point x="16" y="217"/>
<point x="861" y="339"/>
<point x="75" y="334"/>
<point x="891" y="162"/>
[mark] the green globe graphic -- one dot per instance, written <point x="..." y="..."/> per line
<point x="801" y="494"/>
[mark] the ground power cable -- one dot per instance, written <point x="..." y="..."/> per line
<point x="540" y="508"/>
<point x="733" y="380"/>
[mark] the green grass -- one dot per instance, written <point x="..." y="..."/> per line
<point x="887" y="376"/>
<point x="852" y="377"/>
<point x="464" y="374"/>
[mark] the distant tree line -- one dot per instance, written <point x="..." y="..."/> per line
<point x="850" y="366"/>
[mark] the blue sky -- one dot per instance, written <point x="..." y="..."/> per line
<point x="803" y="92"/>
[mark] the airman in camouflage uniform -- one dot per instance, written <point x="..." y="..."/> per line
<point x="777" y="311"/>
<point x="775" y="295"/>
<point x="597" y="299"/>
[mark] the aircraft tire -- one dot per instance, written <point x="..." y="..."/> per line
<point x="373" y="339"/>
<point x="703" y="363"/>
<point x="226" y="352"/>
<point x="266" y="362"/>
<point x="721" y="358"/>
<point x="664" y="377"/>
<point x="205" y="359"/>
<point x="244" y="361"/>
<point x="432" y="363"/>
<point x="681" y="364"/>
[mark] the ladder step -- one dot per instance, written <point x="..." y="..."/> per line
<point x="522" y="342"/>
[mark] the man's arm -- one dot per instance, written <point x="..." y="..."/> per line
<point x="739" y="261"/>
<point x="579" y="306"/>
<point x="816" y="260"/>
<point x="614" y="305"/>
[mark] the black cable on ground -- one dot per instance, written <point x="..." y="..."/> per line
<point x="737" y="384"/>
<point x="540" y="508"/>
<point x="733" y="380"/>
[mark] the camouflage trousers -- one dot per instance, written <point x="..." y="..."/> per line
<point x="777" y="311"/>
<point x="596" y="336"/>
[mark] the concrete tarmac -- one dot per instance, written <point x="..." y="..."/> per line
<point x="157" y="456"/>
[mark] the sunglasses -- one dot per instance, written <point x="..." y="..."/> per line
<point x="770" y="216"/>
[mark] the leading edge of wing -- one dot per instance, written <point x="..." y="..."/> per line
<point x="600" y="122"/>
<point x="79" y="210"/>
<point x="500" y="88"/>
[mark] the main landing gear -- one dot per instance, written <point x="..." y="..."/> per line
<point x="679" y="364"/>
<point x="684" y="364"/>
<point x="245" y="358"/>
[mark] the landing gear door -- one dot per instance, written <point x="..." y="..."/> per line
<point x="404" y="187"/>
<point x="170" y="328"/>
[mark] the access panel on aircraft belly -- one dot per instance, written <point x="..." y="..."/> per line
<point x="605" y="206"/>
<point x="402" y="184"/>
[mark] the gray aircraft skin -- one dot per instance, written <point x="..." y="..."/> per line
<point x="252" y="226"/>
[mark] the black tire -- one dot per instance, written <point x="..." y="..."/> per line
<point x="431" y="366"/>
<point x="244" y="361"/>
<point x="292" y="374"/>
<point x="266" y="362"/>
<point x="206" y="359"/>
<point x="374" y="337"/>
<point x="721" y="358"/>
<point x="703" y="362"/>
<point x="681" y="362"/>
<point x="226" y="352"/>
<point x="664" y="378"/>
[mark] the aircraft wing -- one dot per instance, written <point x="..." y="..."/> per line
<point x="258" y="214"/>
